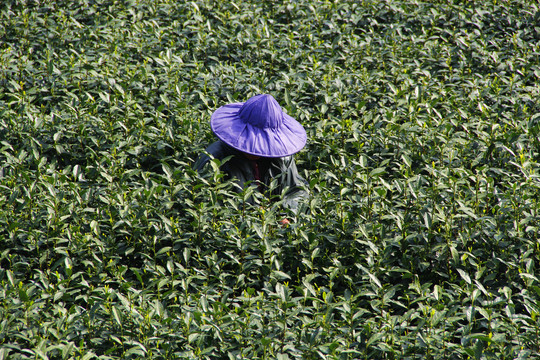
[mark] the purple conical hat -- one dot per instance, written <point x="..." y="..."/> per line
<point x="258" y="127"/>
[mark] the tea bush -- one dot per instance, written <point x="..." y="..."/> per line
<point x="420" y="234"/>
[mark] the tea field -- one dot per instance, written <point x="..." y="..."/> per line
<point x="420" y="236"/>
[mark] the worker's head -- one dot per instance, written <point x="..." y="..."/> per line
<point x="258" y="127"/>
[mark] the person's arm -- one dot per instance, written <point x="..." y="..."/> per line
<point x="295" y="184"/>
<point x="215" y="150"/>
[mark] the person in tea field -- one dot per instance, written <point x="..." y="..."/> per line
<point x="261" y="139"/>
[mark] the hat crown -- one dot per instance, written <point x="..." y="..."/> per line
<point x="262" y="111"/>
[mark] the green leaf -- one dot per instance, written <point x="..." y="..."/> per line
<point x="464" y="276"/>
<point x="11" y="279"/>
<point x="117" y="316"/>
<point x="280" y="275"/>
<point x="105" y="97"/>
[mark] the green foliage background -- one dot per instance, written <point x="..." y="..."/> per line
<point x="420" y="236"/>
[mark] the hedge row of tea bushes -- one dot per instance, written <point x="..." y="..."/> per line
<point x="420" y="235"/>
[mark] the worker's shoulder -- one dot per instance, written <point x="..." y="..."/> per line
<point x="219" y="150"/>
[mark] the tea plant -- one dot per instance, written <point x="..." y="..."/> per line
<point x="419" y="236"/>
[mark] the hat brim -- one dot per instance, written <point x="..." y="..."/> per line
<point x="285" y="140"/>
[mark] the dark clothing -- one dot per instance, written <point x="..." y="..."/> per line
<point x="264" y="170"/>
